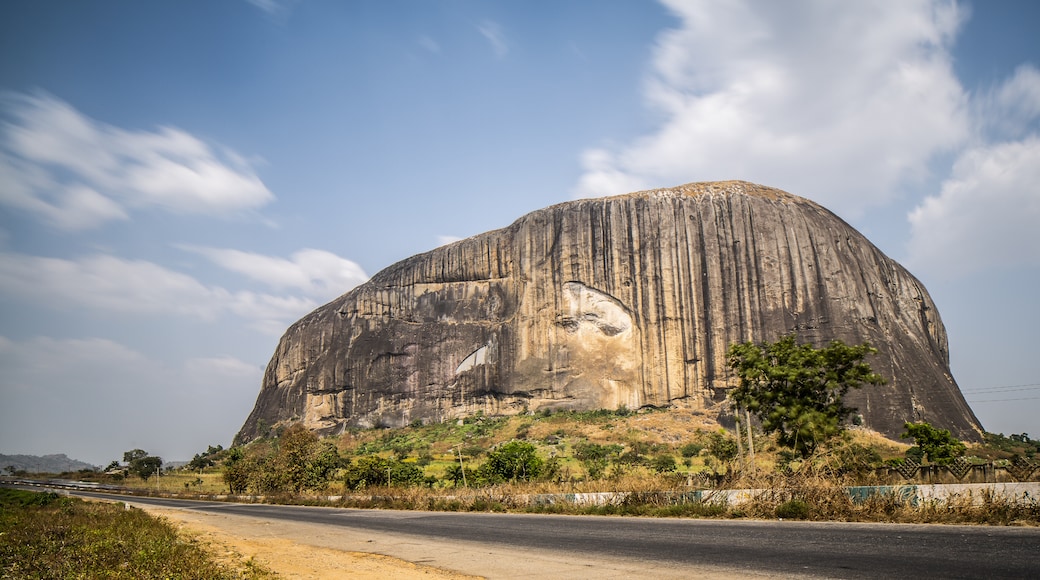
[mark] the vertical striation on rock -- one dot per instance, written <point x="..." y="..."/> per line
<point x="623" y="301"/>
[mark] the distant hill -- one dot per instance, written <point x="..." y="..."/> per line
<point x="56" y="463"/>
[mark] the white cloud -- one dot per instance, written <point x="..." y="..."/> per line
<point x="318" y="273"/>
<point x="1009" y="110"/>
<point x="214" y="369"/>
<point x="841" y="102"/>
<point x="492" y="31"/>
<point x="445" y="240"/>
<point x="94" y="398"/>
<point x="110" y="284"/>
<point x="77" y="173"/>
<point x="270" y="314"/>
<point x="67" y="207"/>
<point x="985" y="216"/>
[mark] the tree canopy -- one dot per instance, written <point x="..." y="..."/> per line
<point x="797" y="391"/>
<point x="296" y="461"/>
<point x="141" y="464"/>
<point x="936" y="445"/>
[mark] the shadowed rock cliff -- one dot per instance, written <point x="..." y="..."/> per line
<point x="629" y="300"/>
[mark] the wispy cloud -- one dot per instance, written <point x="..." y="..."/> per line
<point x="74" y="172"/>
<point x="318" y="273"/>
<point x="110" y="284"/>
<point x="492" y="31"/>
<point x="136" y="287"/>
<point x="445" y="240"/>
<point x="841" y="102"/>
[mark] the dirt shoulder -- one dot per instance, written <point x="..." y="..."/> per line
<point x="236" y="540"/>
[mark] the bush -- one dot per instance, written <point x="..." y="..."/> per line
<point x="663" y="464"/>
<point x="722" y="447"/>
<point x="372" y="470"/>
<point x="595" y="458"/>
<point x="691" y="449"/>
<point x="513" y="461"/>
<point x="298" y="461"/>
<point x="794" y="509"/>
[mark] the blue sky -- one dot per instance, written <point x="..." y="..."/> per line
<point x="180" y="181"/>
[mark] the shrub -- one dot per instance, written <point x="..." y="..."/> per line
<point x="691" y="449"/>
<point x="794" y="509"/>
<point x="663" y="464"/>
<point x="513" y="461"/>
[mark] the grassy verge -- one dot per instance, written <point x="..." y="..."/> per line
<point x="799" y="497"/>
<point x="43" y="535"/>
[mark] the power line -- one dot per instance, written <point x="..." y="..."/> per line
<point x="1002" y="391"/>
<point x="1002" y="400"/>
<point x="1003" y="388"/>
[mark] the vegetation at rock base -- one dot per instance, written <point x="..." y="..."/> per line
<point x="294" y="462"/>
<point x="999" y="446"/>
<point x="622" y="454"/>
<point x="43" y="535"/>
<point x="797" y="391"/>
<point x="937" y="446"/>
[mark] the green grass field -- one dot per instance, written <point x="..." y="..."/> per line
<point x="44" y="535"/>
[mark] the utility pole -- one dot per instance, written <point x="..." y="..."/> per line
<point x="750" y="441"/>
<point x="462" y="467"/>
<point x="740" y="438"/>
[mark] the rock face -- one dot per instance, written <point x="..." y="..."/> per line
<point x="630" y="300"/>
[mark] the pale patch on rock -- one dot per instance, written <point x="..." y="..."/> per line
<point x="476" y="358"/>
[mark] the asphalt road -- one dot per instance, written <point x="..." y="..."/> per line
<point x="836" y="550"/>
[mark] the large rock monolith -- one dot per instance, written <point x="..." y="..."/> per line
<point x="601" y="303"/>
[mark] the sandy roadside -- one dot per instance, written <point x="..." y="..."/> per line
<point x="235" y="540"/>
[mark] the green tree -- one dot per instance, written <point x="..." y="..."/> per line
<point x="368" y="471"/>
<point x="133" y="455"/>
<point x="595" y="458"/>
<point x="798" y="391"/>
<point x="304" y="461"/>
<point x="145" y="467"/>
<point x="722" y="447"/>
<point x="513" y="461"/>
<point x="373" y="470"/>
<point x="456" y="475"/>
<point x="663" y="464"/>
<point x="235" y="474"/>
<point x="691" y="450"/>
<point x="936" y="445"/>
